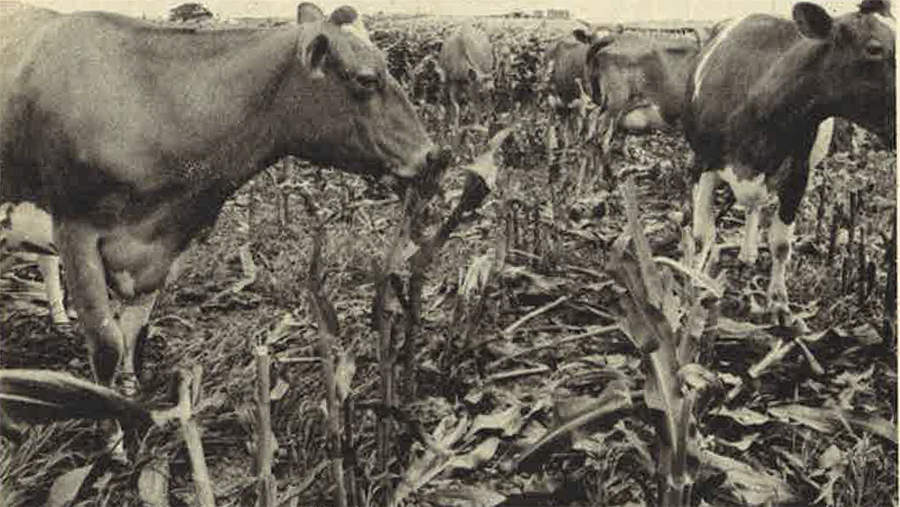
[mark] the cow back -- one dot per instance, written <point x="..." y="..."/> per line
<point x="468" y="48"/>
<point x="635" y="68"/>
<point x="19" y="24"/>
<point x="733" y="60"/>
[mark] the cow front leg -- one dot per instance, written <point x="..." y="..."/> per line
<point x="781" y="234"/>
<point x="49" y="266"/>
<point x="134" y="318"/>
<point x="704" y="219"/>
<point x="86" y="279"/>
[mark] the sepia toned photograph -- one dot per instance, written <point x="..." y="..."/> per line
<point x="400" y="253"/>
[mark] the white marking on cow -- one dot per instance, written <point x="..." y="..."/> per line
<point x="750" y="244"/>
<point x="822" y="143"/>
<point x="751" y="194"/>
<point x="49" y="266"/>
<point x="700" y="73"/>
<point x="356" y="28"/>
<point x="704" y="220"/>
<point x="748" y="192"/>
<point x="781" y="236"/>
<point x="887" y="21"/>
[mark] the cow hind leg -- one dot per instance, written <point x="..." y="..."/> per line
<point x="750" y="245"/>
<point x="49" y="266"/>
<point x="704" y="219"/>
<point x="781" y="237"/>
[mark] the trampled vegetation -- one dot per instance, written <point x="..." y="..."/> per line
<point x="551" y="347"/>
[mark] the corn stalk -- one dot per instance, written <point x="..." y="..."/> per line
<point x="266" y="481"/>
<point x="396" y="310"/>
<point x="665" y="325"/>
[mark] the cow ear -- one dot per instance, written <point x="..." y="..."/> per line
<point x="813" y="21"/>
<point x="598" y="46"/>
<point x="582" y="36"/>
<point x="308" y="12"/>
<point x="315" y="53"/>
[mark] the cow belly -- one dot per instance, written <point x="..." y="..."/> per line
<point x="135" y="266"/>
<point x="643" y="119"/>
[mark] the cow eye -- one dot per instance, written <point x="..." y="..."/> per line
<point x="367" y="80"/>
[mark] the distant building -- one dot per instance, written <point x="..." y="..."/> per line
<point x="558" y="13"/>
<point x="537" y="14"/>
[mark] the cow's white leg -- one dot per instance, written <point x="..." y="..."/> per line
<point x="752" y="194"/>
<point x="822" y="143"/>
<point x="133" y="321"/>
<point x="750" y="244"/>
<point x="704" y="219"/>
<point x="781" y="236"/>
<point x="49" y="266"/>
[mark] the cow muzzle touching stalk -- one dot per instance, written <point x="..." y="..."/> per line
<point x="424" y="176"/>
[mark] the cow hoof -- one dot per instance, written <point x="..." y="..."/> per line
<point x="781" y="313"/>
<point x="61" y="321"/>
<point x="128" y="385"/>
<point x="115" y="441"/>
<point x="747" y="257"/>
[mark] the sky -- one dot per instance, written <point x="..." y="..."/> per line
<point x="592" y="10"/>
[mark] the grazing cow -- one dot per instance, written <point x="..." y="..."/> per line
<point x="759" y="107"/>
<point x="466" y="61"/>
<point x="18" y="22"/>
<point x="132" y="137"/>
<point x="566" y="73"/>
<point x="638" y="81"/>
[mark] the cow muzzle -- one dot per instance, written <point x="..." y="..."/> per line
<point x="424" y="174"/>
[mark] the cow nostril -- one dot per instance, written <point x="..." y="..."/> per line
<point x="874" y="50"/>
<point x="367" y="80"/>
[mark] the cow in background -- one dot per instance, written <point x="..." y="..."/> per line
<point x="565" y="75"/>
<point x="759" y="110"/>
<point x="638" y="81"/>
<point x="466" y="63"/>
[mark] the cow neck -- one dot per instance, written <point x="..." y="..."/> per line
<point x="783" y="107"/>
<point x="250" y="146"/>
<point x="253" y="72"/>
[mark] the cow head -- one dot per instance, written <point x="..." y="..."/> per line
<point x="856" y="62"/>
<point x="347" y="109"/>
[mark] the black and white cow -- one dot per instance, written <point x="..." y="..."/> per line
<point x="760" y="107"/>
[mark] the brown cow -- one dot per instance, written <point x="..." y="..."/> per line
<point x="466" y="61"/>
<point x="638" y="81"/>
<point x="18" y="22"/>
<point x="132" y="137"/>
